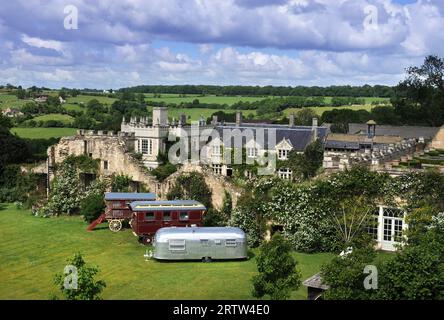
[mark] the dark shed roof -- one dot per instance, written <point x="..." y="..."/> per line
<point x="404" y="132"/>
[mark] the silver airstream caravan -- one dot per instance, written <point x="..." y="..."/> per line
<point x="200" y="243"/>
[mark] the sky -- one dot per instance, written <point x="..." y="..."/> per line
<point x="108" y="44"/>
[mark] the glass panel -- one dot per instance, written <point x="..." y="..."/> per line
<point x="184" y="216"/>
<point x="230" y="242"/>
<point x="149" y="216"/>
<point x="167" y="216"/>
<point x="398" y="230"/>
<point x="388" y="230"/>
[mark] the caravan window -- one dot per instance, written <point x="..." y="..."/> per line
<point x="176" y="245"/>
<point x="149" y="216"/>
<point x="167" y="216"/>
<point x="205" y="242"/>
<point x="183" y="216"/>
<point x="230" y="242"/>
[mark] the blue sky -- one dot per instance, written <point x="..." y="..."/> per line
<point x="229" y="42"/>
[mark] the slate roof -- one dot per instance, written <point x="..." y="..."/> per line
<point x="299" y="136"/>
<point x="353" y="141"/>
<point x="404" y="132"/>
<point x="315" y="282"/>
<point x="129" y="196"/>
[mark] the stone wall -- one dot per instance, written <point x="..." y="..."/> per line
<point x="115" y="157"/>
<point x="438" y="140"/>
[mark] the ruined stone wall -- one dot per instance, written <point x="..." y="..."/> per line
<point x="115" y="158"/>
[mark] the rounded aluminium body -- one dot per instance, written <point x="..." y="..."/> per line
<point x="195" y="243"/>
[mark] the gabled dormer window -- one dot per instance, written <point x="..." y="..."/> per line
<point x="252" y="152"/>
<point x="217" y="150"/>
<point x="283" y="154"/>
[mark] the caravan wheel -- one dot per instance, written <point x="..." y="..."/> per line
<point x="115" y="225"/>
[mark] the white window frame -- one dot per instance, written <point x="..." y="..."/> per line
<point x="285" y="173"/>
<point x="217" y="168"/>
<point x="217" y="150"/>
<point x="283" y="154"/>
<point x="146" y="146"/>
<point x="252" y="152"/>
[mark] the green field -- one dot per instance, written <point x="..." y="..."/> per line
<point x="43" y="133"/>
<point x="229" y="100"/>
<point x="72" y="106"/>
<point x="55" y="116"/>
<point x="81" y="98"/>
<point x="195" y="113"/>
<point x="321" y="110"/>
<point x="33" y="249"/>
<point x="10" y="101"/>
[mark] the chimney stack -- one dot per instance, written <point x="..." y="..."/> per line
<point x="238" y="118"/>
<point x="182" y="119"/>
<point x="291" y="122"/>
<point x="314" y="128"/>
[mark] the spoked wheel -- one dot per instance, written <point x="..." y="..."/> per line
<point x="115" y="225"/>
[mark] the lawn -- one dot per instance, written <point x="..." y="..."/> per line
<point x="43" y="133"/>
<point x="33" y="249"/>
<point x="66" y="119"/>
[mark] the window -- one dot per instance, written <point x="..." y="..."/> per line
<point x="230" y="243"/>
<point x="147" y="146"/>
<point x="388" y="229"/>
<point x="176" y="245"/>
<point x="205" y="242"/>
<point x="149" y="216"/>
<point x="372" y="227"/>
<point x="166" y="216"/>
<point x="282" y="154"/>
<point x="252" y="152"/>
<point x="105" y="165"/>
<point x="285" y="173"/>
<point x="116" y="204"/>
<point x="218" y="242"/>
<point x="398" y="230"/>
<point x="183" y="216"/>
<point x="217" y="168"/>
<point x="217" y="150"/>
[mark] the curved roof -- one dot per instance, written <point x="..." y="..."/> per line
<point x="167" y="205"/>
<point x="129" y="196"/>
<point x="183" y="233"/>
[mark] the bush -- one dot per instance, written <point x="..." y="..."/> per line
<point x="92" y="207"/>
<point x="277" y="270"/>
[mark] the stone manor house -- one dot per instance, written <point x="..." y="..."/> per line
<point x="151" y="139"/>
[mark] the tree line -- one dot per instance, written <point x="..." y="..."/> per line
<point x="317" y="91"/>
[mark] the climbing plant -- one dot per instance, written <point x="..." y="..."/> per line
<point x="191" y="186"/>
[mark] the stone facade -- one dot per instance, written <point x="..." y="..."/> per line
<point x="438" y="140"/>
<point x="115" y="154"/>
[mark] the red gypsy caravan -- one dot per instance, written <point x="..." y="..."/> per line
<point x="150" y="216"/>
<point x="118" y="210"/>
